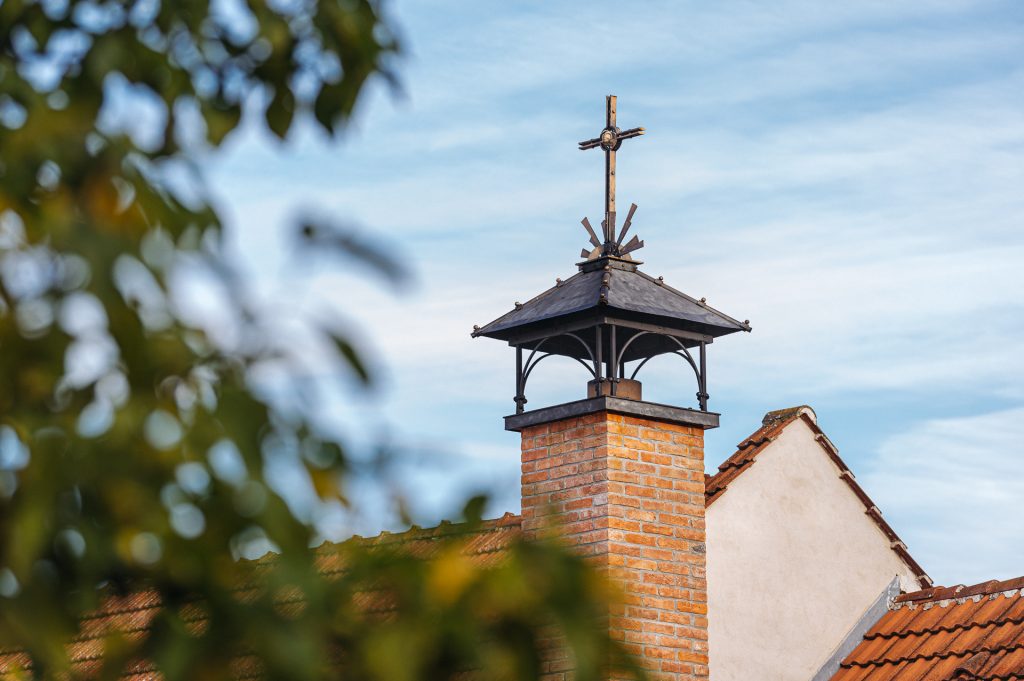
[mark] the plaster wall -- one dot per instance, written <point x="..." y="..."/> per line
<point x="792" y="564"/>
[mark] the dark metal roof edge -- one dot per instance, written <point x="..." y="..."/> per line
<point x="667" y="321"/>
<point x="617" y="405"/>
<point x="490" y="327"/>
<point x="744" y="326"/>
<point x="483" y="330"/>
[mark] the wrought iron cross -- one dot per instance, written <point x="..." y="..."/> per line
<point x="610" y="140"/>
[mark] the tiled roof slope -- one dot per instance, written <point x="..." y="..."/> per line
<point x="132" y="614"/>
<point x="772" y="425"/>
<point x="956" y="633"/>
<point x="485" y="544"/>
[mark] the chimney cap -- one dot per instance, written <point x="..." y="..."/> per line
<point x="610" y="313"/>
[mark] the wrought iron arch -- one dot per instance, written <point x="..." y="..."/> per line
<point x="523" y="371"/>
<point x="622" y="351"/>
<point x="699" y="372"/>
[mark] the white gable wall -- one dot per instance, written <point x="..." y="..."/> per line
<point x="792" y="561"/>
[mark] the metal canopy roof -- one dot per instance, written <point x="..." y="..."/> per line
<point x="615" y="289"/>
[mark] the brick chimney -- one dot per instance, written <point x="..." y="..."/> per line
<point x="620" y="478"/>
<point x="628" y="491"/>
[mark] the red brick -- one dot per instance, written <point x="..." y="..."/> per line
<point x="628" y="493"/>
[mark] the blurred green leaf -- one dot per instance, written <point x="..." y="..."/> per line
<point x="473" y="511"/>
<point x="352" y="358"/>
<point x="221" y="118"/>
<point x="150" y="451"/>
<point x="280" y="112"/>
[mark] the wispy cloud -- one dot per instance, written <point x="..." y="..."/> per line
<point x="846" y="175"/>
<point x="954" y="488"/>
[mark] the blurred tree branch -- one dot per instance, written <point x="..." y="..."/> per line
<point x="134" y="449"/>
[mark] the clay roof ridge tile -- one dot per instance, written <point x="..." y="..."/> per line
<point x="772" y="424"/>
<point x="443" y="529"/>
<point x="935" y="593"/>
<point x="785" y="415"/>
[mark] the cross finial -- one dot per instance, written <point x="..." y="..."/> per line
<point x="610" y="140"/>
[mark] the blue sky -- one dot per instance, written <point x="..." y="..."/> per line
<point x="848" y="176"/>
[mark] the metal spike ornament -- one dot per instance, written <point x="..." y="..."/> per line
<point x="610" y="140"/>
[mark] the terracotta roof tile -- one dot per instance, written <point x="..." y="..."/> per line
<point x="132" y="614"/>
<point x="972" y="633"/>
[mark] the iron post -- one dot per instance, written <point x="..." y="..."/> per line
<point x="702" y="396"/>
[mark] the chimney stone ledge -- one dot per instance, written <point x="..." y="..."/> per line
<point x="617" y="405"/>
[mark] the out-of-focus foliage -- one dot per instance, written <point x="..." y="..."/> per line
<point x="135" y="451"/>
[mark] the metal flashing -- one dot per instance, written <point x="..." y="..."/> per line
<point x="616" y="405"/>
<point x="854" y="637"/>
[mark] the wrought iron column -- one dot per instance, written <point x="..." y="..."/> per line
<point x="613" y="361"/>
<point x="520" y="397"/>
<point x="702" y="396"/>
<point x="598" y="362"/>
